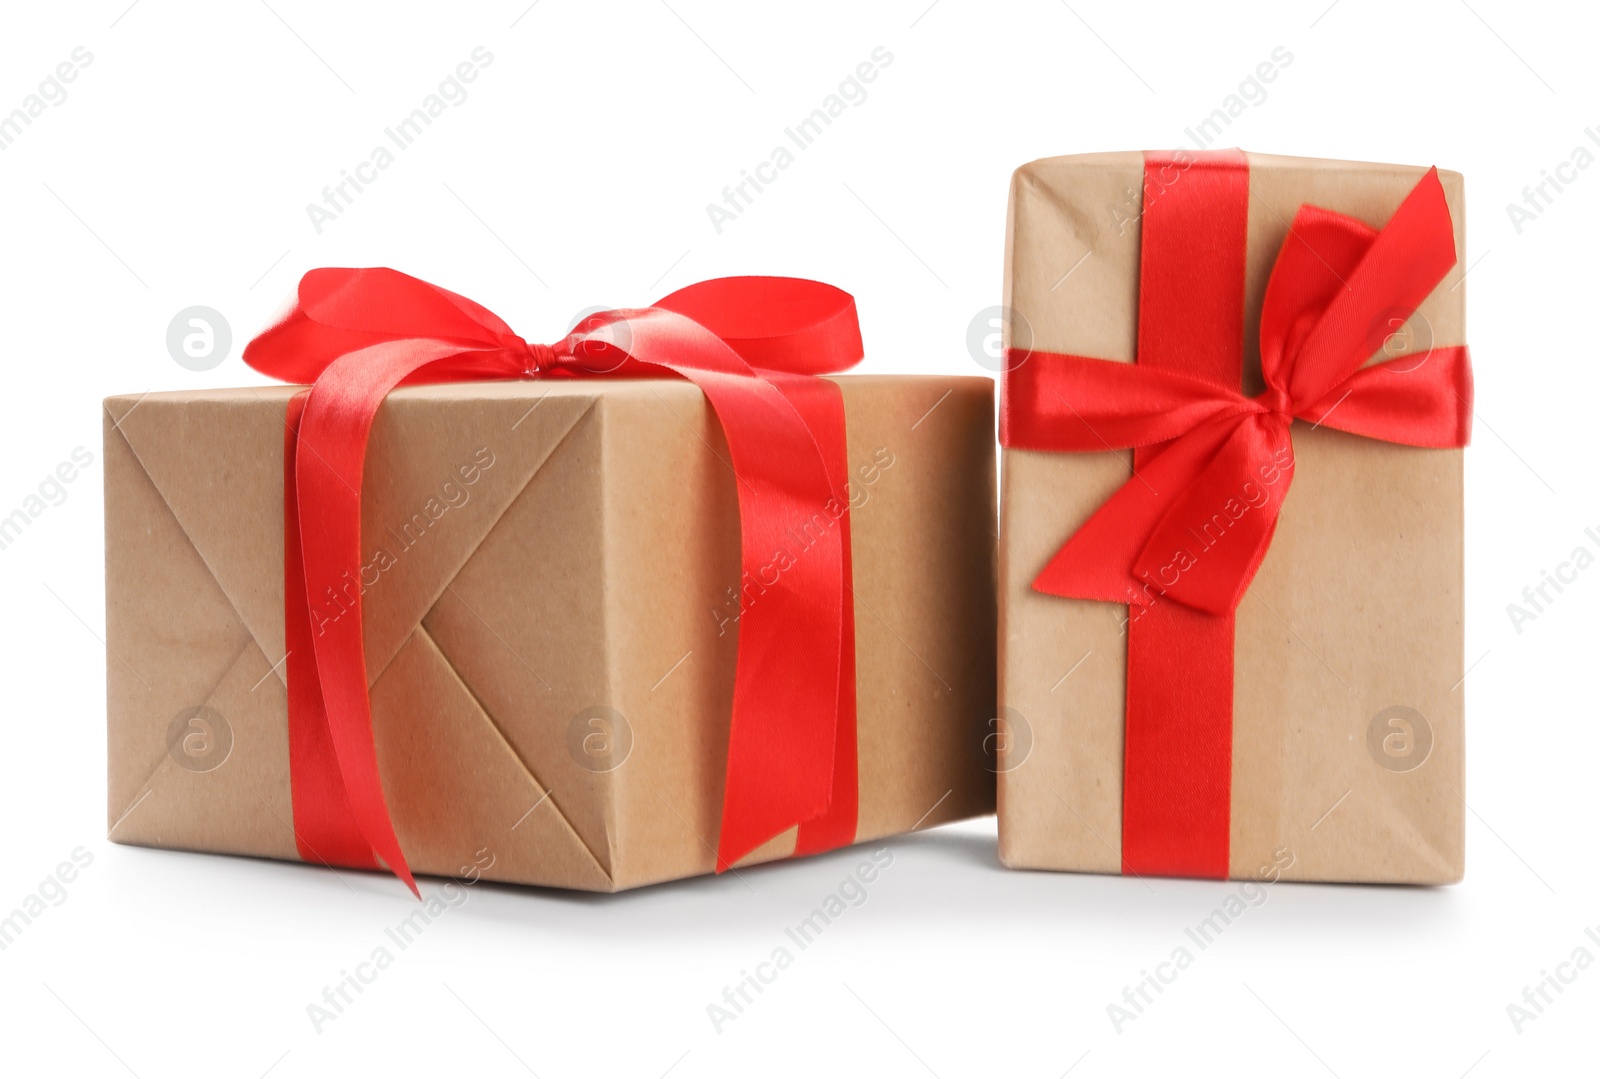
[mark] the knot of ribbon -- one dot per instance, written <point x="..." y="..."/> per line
<point x="541" y="358"/>
<point x="1195" y="520"/>
<point x="751" y="344"/>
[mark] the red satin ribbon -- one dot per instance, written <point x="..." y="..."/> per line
<point x="1182" y="539"/>
<point x="753" y="345"/>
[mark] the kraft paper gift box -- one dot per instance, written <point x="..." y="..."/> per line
<point x="1347" y="699"/>
<point x="550" y="620"/>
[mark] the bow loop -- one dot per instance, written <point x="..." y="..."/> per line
<point x="1339" y="288"/>
<point x="338" y="311"/>
<point x="1208" y="545"/>
<point x="784" y="324"/>
<point x="1318" y="255"/>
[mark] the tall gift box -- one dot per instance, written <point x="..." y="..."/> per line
<point x="1231" y="542"/>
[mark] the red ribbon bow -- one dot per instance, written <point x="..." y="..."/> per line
<point x="1212" y="467"/>
<point x="751" y="344"/>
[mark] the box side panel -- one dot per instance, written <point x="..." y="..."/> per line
<point x="922" y="495"/>
<point x="481" y="717"/>
<point x="672" y="571"/>
<point x="475" y="548"/>
<point x="924" y="569"/>
<point x="197" y="742"/>
<point x="1073" y="282"/>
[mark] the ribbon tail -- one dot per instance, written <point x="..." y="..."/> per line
<point x="786" y="693"/>
<point x="329" y="463"/>
<point x="1099" y="561"/>
<point x="325" y="827"/>
<point x="791" y="329"/>
<point x="1210" y="542"/>
<point x="821" y="403"/>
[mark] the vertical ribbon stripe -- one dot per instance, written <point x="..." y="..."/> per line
<point x="325" y="828"/>
<point x="1178" y="757"/>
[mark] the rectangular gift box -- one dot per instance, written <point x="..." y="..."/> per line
<point x="550" y="620"/>
<point x="1347" y="757"/>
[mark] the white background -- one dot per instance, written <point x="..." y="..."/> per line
<point x="576" y="174"/>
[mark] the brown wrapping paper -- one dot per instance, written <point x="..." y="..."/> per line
<point x="549" y="627"/>
<point x="1348" y="699"/>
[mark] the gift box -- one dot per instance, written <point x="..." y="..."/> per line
<point x="552" y="599"/>
<point x="1235" y="651"/>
